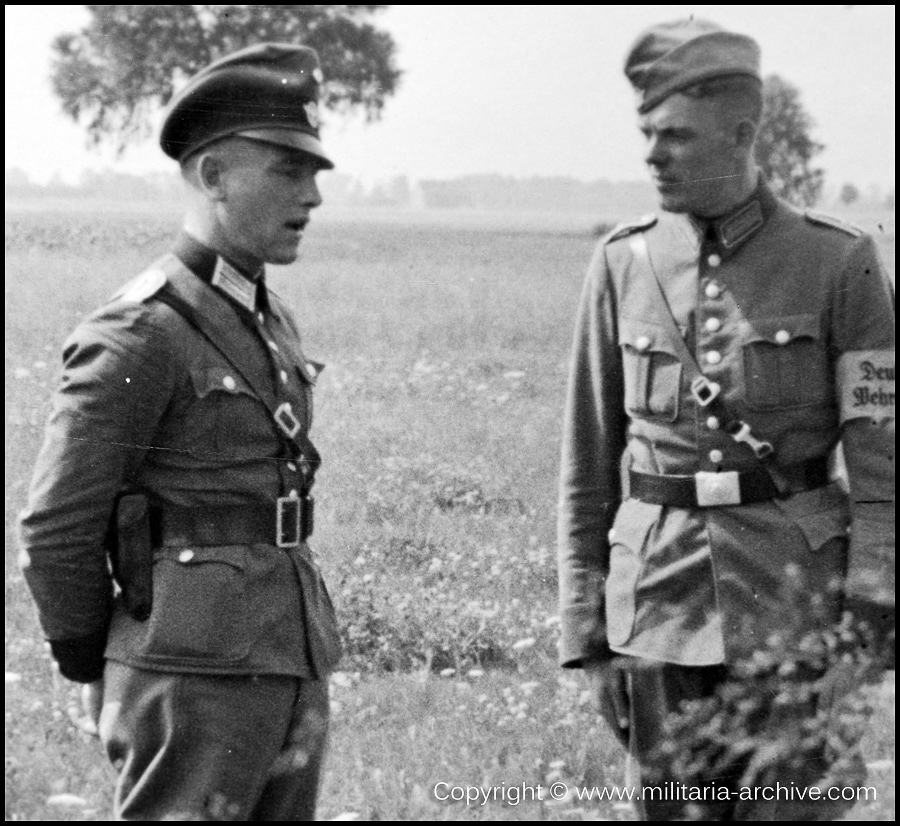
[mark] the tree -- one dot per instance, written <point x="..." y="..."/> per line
<point x="784" y="147"/>
<point x="126" y="62"/>
<point x="849" y="194"/>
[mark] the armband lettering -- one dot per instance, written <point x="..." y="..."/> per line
<point x="865" y="380"/>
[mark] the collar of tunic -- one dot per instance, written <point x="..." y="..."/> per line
<point x="246" y="291"/>
<point x="727" y="233"/>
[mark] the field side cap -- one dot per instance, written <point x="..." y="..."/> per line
<point x="268" y="92"/>
<point x="672" y="56"/>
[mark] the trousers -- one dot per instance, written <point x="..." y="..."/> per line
<point x="201" y="747"/>
<point x="689" y="754"/>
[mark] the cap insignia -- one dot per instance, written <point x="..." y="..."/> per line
<point x="312" y="113"/>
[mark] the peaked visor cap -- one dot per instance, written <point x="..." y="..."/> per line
<point x="268" y="92"/>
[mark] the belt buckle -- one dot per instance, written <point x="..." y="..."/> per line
<point x="288" y="511"/>
<point x="286" y="420"/>
<point x="715" y="489"/>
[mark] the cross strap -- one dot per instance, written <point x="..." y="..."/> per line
<point x="179" y="281"/>
<point x="638" y="244"/>
<point x="738" y="430"/>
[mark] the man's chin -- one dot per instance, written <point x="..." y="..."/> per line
<point x="670" y="203"/>
<point x="284" y="256"/>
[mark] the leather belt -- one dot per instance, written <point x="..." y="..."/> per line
<point x="705" y="490"/>
<point x="286" y="523"/>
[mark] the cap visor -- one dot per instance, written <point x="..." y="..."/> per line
<point x="292" y="138"/>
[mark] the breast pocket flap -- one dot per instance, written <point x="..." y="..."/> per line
<point x="783" y="330"/>
<point x="219" y="379"/>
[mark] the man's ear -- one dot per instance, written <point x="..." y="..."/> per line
<point x="211" y="175"/>
<point x="745" y="135"/>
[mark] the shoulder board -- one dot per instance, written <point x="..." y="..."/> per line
<point x="139" y="289"/>
<point x="638" y="225"/>
<point x="835" y="223"/>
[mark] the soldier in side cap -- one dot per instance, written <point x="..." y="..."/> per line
<point x="165" y="536"/>
<point x="724" y="349"/>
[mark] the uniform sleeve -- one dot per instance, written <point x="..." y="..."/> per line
<point x="590" y="487"/>
<point x="113" y="390"/>
<point x="864" y="335"/>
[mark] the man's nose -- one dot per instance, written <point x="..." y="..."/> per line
<point x="310" y="194"/>
<point x="655" y="154"/>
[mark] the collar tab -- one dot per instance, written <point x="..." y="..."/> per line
<point x="236" y="286"/>
<point x="741" y="225"/>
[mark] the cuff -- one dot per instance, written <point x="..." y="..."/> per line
<point x="583" y="636"/>
<point x="80" y="660"/>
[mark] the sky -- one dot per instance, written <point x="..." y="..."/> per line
<point x="527" y="90"/>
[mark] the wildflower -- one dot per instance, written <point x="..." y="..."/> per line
<point x="523" y="644"/>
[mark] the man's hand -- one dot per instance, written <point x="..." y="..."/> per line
<point x="609" y="682"/>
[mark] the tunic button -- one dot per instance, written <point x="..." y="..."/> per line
<point x="714" y="260"/>
<point x="229" y="383"/>
<point x="713" y="357"/>
<point x="284" y="377"/>
<point x="642" y="343"/>
<point x="273" y="345"/>
<point x="713" y="290"/>
<point x="186" y="556"/>
<point x="292" y="467"/>
<point x="712" y="423"/>
<point x="292" y="494"/>
<point x="716" y="457"/>
<point x="782" y="336"/>
<point x="713" y="325"/>
<point x="261" y="317"/>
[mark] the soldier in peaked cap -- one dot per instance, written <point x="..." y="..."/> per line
<point x="165" y="536"/>
<point x="724" y="348"/>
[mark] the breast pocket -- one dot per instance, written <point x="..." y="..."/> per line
<point x="785" y="362"/>
<point x="230" y="415"/>
<point x="652" y="371"/>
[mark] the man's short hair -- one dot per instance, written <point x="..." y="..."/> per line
<point x="739" y="95"/>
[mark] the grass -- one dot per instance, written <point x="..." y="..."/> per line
<point x="438" y="417"/>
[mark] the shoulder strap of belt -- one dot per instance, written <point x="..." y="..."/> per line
<point x="638" y="244"/>
<point x="299" y="444"/>
<point x="737" y="429"/>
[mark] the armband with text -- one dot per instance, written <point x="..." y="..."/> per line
<point x="865" y="380"/>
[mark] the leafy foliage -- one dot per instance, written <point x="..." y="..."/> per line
<point x="784" y="147"/>
<point x="127" y="60"/>
<point x="790" y="713"/>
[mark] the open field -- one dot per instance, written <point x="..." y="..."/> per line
<point x="438" y="417"/>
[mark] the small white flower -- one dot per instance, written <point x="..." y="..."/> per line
<point x="523" y="644"/>
<point x="66" y="800"/>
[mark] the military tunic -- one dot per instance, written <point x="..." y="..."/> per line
<point x="773" y="304"/>
<point x="147" y="404"/>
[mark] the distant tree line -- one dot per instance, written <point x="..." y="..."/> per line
<point x="469" y="192"/>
